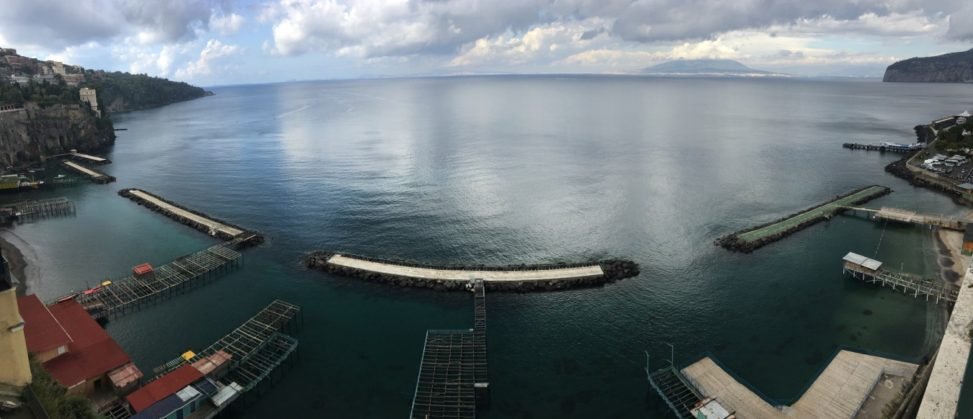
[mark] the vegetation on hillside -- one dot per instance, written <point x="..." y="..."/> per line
<point x="53" y="397"/>
<point x="44" y="94"/>
<point x="122" y="92"/>
<point x="952" y="139"/>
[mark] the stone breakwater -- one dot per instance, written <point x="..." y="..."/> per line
<point x="900" y="169"/>
<point x="607" y="271"/>
<point x="249" y="238"/>
<point x="797" y="221"/>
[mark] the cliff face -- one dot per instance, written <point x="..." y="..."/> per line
<point x="956" y="67"/>
<point x="28" y="134"/>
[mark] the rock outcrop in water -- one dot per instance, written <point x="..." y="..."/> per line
<point x="29" y="134"/>
<point x="955" y="67"/>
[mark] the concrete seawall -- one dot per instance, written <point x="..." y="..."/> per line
<point x="195" y="219"/>
<point x="515" y="278"/>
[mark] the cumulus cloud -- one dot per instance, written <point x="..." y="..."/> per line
<point x="213" y="50"/>
<point x="227" y="24"/>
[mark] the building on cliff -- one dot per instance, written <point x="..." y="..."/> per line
<point x="90" y="97"/>
<point x="14" y="364"/>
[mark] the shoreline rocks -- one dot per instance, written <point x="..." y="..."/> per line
<point x="255" y="240"/>
<point x="614" y="269"/>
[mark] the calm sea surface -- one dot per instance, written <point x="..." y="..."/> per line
<point x="501" y="170"/>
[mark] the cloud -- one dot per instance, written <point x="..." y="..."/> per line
<point x="213" y="50"/>
<point x="226" y="24"/>
<point x="55" y="24"/>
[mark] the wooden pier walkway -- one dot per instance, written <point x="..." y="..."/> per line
<point x="453" y="380"/>
<point x="837" y="393"/>
<point x="247" y="345"/>
<point x="29" y="211"/>
<point x="96" y="176"/>
<point x="756" y="237"/>
<point x="132" y="292"/>
<point x="871" y="271"/>
<point x="880" y="147"/>
<point x="671" y="385"/>
<point x="904" y="216"/>
<point x="90" y="158"/>
<point x="201" y="222"/>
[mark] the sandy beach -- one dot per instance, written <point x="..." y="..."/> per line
<point x="21" y="260"/>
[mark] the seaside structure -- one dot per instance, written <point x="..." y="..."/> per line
<point x="872" y="271"/>
<point x="453" y="379"/>
<point x="183" y="393"/>
<point x="849" y="384"/>
<point x="90" y="96"/>
<point x="754" y="238"/>
<point x="456" y="278"/>
<point x="96" y="176"/>
<point x="74" y="349"/>
<point x="202" y="222"/>
<point x="14" y="364"/>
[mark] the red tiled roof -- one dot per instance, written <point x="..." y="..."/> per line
<point x="163" y="387"/>
<point x="92" y="353"/>
<point x="41" y="330"/>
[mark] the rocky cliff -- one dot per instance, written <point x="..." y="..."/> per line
<point x="955" y="67"/>
<point x="31" y="133"/>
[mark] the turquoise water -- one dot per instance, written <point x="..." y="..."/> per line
<point x="500" y="170"/>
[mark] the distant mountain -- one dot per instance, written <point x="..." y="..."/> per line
<point x="956" y="67"/>
<point x="706" y="67"/>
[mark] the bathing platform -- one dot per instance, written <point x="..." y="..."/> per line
<point x="95" y="175"/>
<point x="873" y="271"/>
<point x="29" y="211"/>
<point x="117" y="297"/>
<point x="255" y="348"/>
<point x="453" y="380"/>
<point x="753" y="238"/>
<point x="89" y="158"/>
<point x="202" y="222"/>
<point x="455" y="278"/>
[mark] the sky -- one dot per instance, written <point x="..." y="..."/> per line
<point x="222" y="42"/>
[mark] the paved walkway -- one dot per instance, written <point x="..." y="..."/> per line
<point x="942" y="393"/>
<point x="211" y="224"/>
<point x="466" y="275"/>
<point x="95" y="159"/>
<point x="838" y="393"/>
<point x="84" y="170"/>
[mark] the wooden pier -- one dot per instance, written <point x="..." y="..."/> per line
<point x="131" y="293"/>
<point x="96" y="176"/>
<point x="249" y="339"/>
<point x="872" y="271"/>
<point x="195" y="219"/>
<point x="89" y="158"/>
<point x="453" y="380"/>
<point x="904" y="216"/>
<point x="29" y="211"/>
<point x="753" y="238"/>
<point x="884" y="148"/>
<point x="671" y="385"/>
<point x="254" y="369"/>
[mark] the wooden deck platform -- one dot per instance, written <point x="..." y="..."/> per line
<point x="28" y="211"/>
<point x="838" y="393"/>
<point x="898" y="215"/>
<point x="246" y="340"/>
<point x="453" y="380"/>
<point x="96" y="176"/>
<point x="941" y="399"/>
<point x="872" y="271"/>
<point x="465" y="275"/>
<point x="132" y="292"/>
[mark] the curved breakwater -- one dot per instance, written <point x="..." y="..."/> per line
<point x="192" y="218"/>
<point x="753" y="238"/>
<point x="516" y="278"/>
